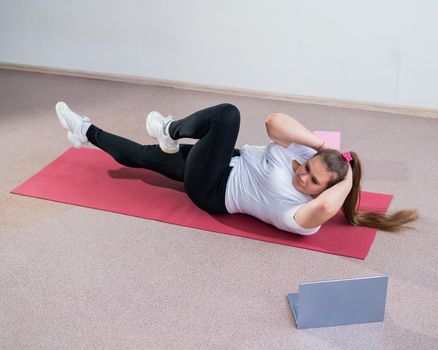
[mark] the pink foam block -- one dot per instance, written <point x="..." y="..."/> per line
<point x="332" y="138"/>
<point x="91" y="178"/>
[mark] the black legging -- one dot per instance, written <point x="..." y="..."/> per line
<point x="203" y="167"/>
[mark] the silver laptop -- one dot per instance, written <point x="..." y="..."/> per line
<point x="339" y="302"/>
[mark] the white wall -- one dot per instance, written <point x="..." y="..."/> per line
<point x="370" y="50"/>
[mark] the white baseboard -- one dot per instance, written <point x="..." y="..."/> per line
<point x="358" y="105"/>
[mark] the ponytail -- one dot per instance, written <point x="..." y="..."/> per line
<point x="393" y="222"/>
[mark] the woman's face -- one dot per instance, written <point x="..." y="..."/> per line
<point x="312" y="177"/>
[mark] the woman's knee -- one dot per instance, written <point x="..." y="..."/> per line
<point x="229" y="114"/>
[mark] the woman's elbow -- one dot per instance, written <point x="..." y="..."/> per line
<point x="275" y="123"/>
<point x="273" y="119"/>
<point x="312" y="232"/>
<point x="328" y="210"/>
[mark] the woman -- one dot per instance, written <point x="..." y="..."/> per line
<point x="294" y="183"/>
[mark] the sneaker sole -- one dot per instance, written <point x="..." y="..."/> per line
<point x="59" y="110"/>
<point x="147" y="125"/>
<point x="74" y="140"/>
<point x="169" y="150"/>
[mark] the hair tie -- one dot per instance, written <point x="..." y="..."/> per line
<point x="347" y="157"/>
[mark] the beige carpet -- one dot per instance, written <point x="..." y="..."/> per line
<point x="76" y="278"/>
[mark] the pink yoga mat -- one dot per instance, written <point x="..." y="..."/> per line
<point x="91" y="178"/>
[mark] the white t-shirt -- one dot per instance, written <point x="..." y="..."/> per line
<point x="260" y="184"/>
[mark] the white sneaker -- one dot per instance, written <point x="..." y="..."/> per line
<point x="156" y="127"/>
<point x="73" y="123"/>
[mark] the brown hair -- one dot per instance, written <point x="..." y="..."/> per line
<point x="393" y="222"/>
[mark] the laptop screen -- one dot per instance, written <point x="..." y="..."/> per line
<point x="338" y="302"/>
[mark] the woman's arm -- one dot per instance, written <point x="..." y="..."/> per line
<point x="326" y="205"/>
<point x="284" y="130"/>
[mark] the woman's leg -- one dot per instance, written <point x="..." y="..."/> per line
<point x="124" y="151"/>
<point x="132" y="154"/>
<point x="204" y="167"/>
<point x="207" y="164"/>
